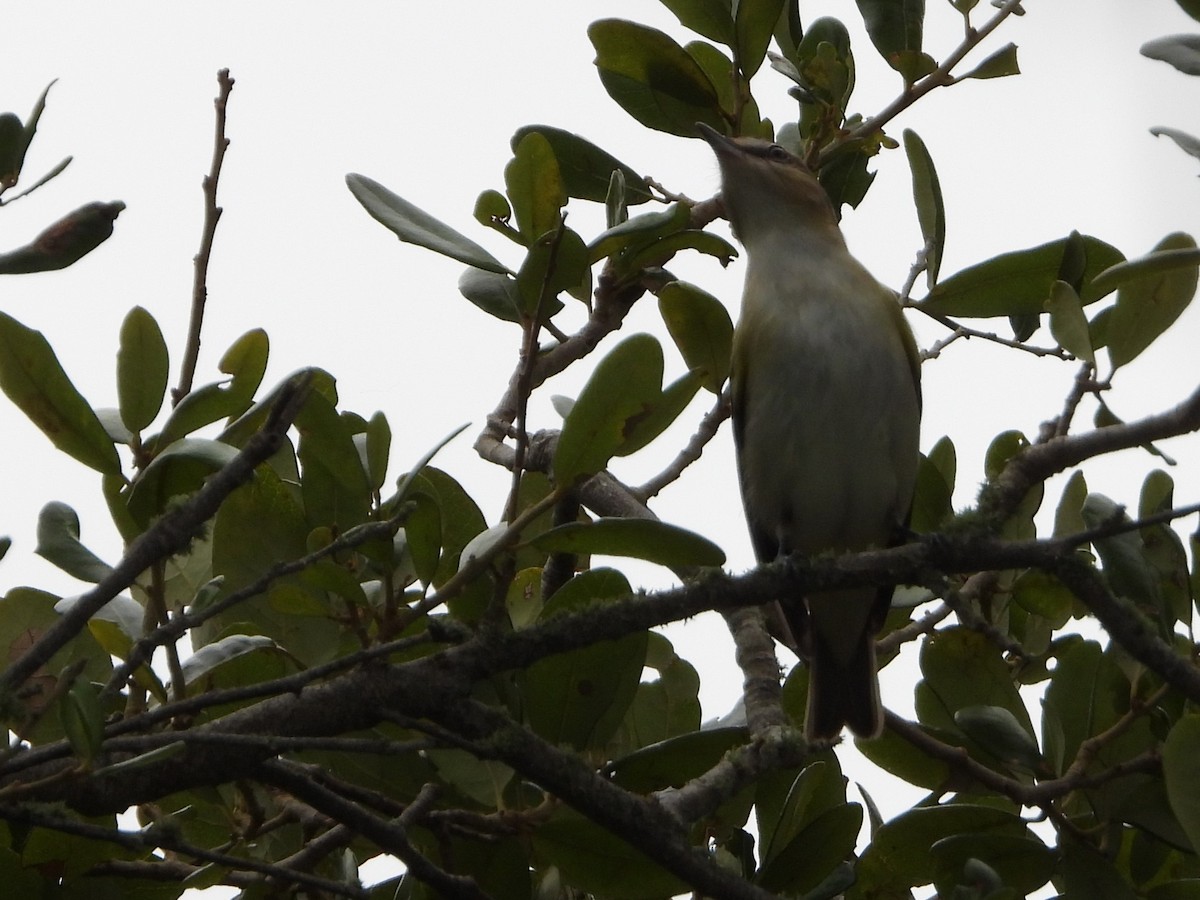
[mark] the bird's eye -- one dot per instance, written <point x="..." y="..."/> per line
<point x="778" y="154"/>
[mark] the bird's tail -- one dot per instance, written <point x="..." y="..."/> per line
<point x="843" y="686"/>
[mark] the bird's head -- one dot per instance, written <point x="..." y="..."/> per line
<point x="766" y="187"/>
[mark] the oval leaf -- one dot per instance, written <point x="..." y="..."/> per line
<point x="534" y="186"/>
<point x="32" y="378"/>
<point x="58" y="542"/>
<point x="415" y="226"/>
<point x="142" y="369"/>
<point x="927" y="194"/>
<point x="1147" y="306"/>
<point x="653" y="79"/>
<point x="1016" y="283"/>
<point x="648" y="539"/>
<point x="625" y="384"/>
<point x="586" y="169"/>
<point x="701" y="327"/>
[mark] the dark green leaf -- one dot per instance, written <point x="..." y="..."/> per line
<point x="179" y="470"/>
<point x="333" y="482"/>
<point x="586" y="170"/>
<point x="665" y="707"/>
<point x="815" y="852"/>
<point x="378" y="448"/>
<point x="711" y="18"/>
<point x="1158" y="262"/>
<point x="660" y="252"/>
<point x="647" y="539"/>
<point x="674" y="762"/>
<point x="927" y="194"/>
<point x="553" y="264"/>
<point x="415" y="226"/>
<point x="1020" y="862"/>
<point x="1148" y="305"/>
<point x="897" y="756"/>
<point x="1015" y="283"/>
<point x="999" y="64"/>
<point x="12" y="145"/>
<point x="64" y="242"/>
<point x="1181" y="768"/>
<point x="755" y="21"/>
<point x="998" y="730"/>
<point x="142" y="369"/>
<point x="639" y="231"/>
<point x="32" y="378"/>
<point x="594" y="860"/>
<point x="58" y="542"/>
<point x="83" y="719"/>
<point x="652" y="78"/>
<point x="579" y="698"/>
<point x="624" y="385"/>
<point x="701" y="328"/>
<point x="644" y="427"/>
<point x="893" y="25"/>
<point x="961" y="668"/>
<point x="898" y="857"/>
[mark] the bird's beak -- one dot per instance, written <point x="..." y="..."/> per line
<point x="721" y="145"/>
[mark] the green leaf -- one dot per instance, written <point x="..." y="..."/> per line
<point x="58" y="542"/>
<point x="665" y="707"/>
<point x="415" y="226"/>
<point x="755" y="21"/>
<point x="1015" y="283"/>
<point x="579" y="698"/>
<point x="83" y="719"/>
<point x="961" y="668"/>
<point x="701" y="328"/>
<point x="1005" y="738"/>
<point x="596" y="861"/>
<point x="378" y="447"/>
<point x="1181" y="768"/>
<point x="1068" y="324"/>
<point x="927" y="193"/>
<point x="333" y="482"/>
<point x="12" y="147"/>
<point x="648" y="539"/>
<point x="813" y="854"/>
<point x="674" y="762"/>
<point x="246" y="362"/>
<point x="894" y="26"/>
<point x="659" y="415"/>
<point x="998" y="65"/>
<point x="494" y="292"/>
<point x="711" y="18"/>
<point x="586" y="169"/>
<point x="142" y="369"/>
<point x="639" y="231"/>
<point x="898" y="856"/>
<point x="1022" y="863"/>
<point x="535" y="188"/>
<point x="652" y="78"/>
<point x="624" y="386"/>
<point x="897" y="756"/>
<point x="1126" y="567"/>
<point x="33" y="379"/>
<point x="553" y="264"/>
<point x="661" y="251"/>
<point x="1148" y="305"/>
<point x="179" y="470"/>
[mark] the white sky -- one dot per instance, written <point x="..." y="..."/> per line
<point x="424" y="97"/>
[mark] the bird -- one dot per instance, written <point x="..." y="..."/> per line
<point x="826" y="409"/>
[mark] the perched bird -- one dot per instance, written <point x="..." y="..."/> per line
<point x="826" y="416"/>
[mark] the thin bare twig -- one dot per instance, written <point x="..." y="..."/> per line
<point x="212" y="214"/>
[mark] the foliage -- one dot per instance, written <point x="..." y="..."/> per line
<point x="373" y="669"/>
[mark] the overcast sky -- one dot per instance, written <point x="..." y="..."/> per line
<point x="424" y="97"/>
